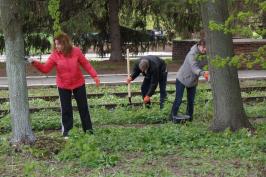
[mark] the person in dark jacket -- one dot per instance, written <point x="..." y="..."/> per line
<point x="187" y="77"/>
<point x="154" y="71"/>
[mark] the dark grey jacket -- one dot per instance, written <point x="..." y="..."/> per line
<point x="157" y="67"/>
<point x="188" y="74"/>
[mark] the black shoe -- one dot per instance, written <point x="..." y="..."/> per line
<point x="147" y="106"/>
<point x="170" y="117"/>
<point x="180" y="119"/>
<point x="65" y="135"/>
<point x="90" y="132"/>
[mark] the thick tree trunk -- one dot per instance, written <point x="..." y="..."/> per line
<point x="228" y="105"/>
<point x="16" y="72"/>
<point x="114" y="28"/>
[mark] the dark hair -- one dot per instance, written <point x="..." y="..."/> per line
<point x="202" y="42"/>
<point x="143" y="64"/>
<point x="65" y="41"/>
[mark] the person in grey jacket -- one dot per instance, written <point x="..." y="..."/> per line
<point x="187" y="77"/>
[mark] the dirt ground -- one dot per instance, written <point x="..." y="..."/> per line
<point x="103" y="67"/>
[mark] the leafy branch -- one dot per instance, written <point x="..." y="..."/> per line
<point x="53" y="8"/>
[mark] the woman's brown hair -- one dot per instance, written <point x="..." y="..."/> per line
<point x="65" y="41"/>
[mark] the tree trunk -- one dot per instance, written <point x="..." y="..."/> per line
<point x="114" y="29"/>
<point x="16" y="72"/>
<point x="228" y="106"/>
<point x="264" y="23"/>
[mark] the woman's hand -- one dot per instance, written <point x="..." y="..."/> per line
<point x="97" y="81"/>
<point x="29" y="60"/>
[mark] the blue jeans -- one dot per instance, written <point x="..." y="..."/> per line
<point x="162" y="85"/>
<point x="191" y="92"/>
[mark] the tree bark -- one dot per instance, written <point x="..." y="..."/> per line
<point x="16" y="72"/>
<point x="228" y="106"/>
<point x="114" y="29"/>
<point x="264" y="23"/>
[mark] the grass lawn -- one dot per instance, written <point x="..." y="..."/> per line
<point x="136" y="142"/>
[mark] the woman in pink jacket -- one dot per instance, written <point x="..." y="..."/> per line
<point x="69" y="79"/>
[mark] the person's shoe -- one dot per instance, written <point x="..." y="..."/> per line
<point x="65" y="135"/>
<point x="148" y="106"/>
<point x="90" y="132"/>
<point x="170" y="117"/>
<point x="180" y="118"/>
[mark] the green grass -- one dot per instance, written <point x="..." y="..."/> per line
<point x="111" y="99"/>
<point x="121" y="88"/>
<point x="89" y="88"/>
<point x="137" y="142"/>
<point x="165" y="150"/>
<point x="46" y="119"/>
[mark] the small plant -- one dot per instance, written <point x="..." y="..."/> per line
<point x="29" y="168"/>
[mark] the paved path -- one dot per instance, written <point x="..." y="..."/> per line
<point x="110" y="79"/>
<point x="96" y="57"/>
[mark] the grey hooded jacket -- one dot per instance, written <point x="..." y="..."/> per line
<point x="188" y="74"/>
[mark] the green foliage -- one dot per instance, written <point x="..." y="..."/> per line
<point x="35" y="26"/>
<point x="243" y="21"/>
<point x="29" y="168"/>
<point x="37" y="44"/>
<point x="249" y="61"/>
<point x="48" y="119"/>
<point x="83" y="20"/>
<point x="220" y="62"/>
<point x="85" y="149"/>
<point x="263" y="5"/>
<point x="148" y="150"/>
<point x="182" y="17"/>
<point x="54" y="12"/>
<point x="229" y="28"/>
<point x="256" y="111"/>
<point x="39" y="121"/>
<point x="244" y="15"/>
<point x="215" y="26"/>
<point x="161" y="140"/>
<point x="4" y="146"/>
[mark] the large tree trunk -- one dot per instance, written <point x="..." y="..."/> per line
<point x="114" y="29"/>
<point x="10" y="17"/>
<point x="228" y="105"/>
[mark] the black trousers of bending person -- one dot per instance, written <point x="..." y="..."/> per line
<point x="162" y="85"/>
<point x="65" y="96"/>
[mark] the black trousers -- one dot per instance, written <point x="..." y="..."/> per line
<point x="80" y="96"/>
<point x="162" y="85"/>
